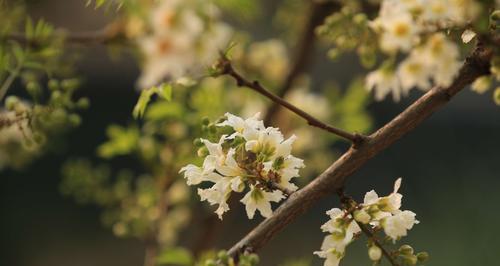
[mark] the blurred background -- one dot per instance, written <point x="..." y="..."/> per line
<point x="450" y="167"/>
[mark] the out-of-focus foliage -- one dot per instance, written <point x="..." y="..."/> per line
<point x="162" y="142"/>
<point x="175" y="42"/>
<point x="32" y="121"/>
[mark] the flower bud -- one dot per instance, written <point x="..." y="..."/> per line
<point x="422" y="256"/>
<point x="496" y="96"/>
<point x="53" y="84"/>
<point x="362" y="216"/>
<point x="83" y="103"/>
<point x="406" y="250"/>
<point x="410" y="260"/>
<point x="482" y="84"/>
<point x="495" y="16"/>
<point x="202" y="152"/>
<point x="375" y="253"/>
<point x="11" y="102"/>
<point x="197" y="142"/>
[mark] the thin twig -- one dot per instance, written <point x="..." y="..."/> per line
<point x="333" y="179"/>
<point x="319" y="10"/>
<point x="227" y="69"/>
<point x="368" y="232"/>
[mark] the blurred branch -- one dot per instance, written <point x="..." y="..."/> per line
<point x="333" y="179"/>
<point x="224" y="65"/>
<point x="110" y="33"/>
<point x="305" y="49"/>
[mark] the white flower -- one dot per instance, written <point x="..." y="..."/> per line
<point x="442" y="56"/>
<point x="220" y="191"/>
<point x="289" y="170"/>
<point x="383" y="82"/>
<point x="270" y="58"/>
<point x="329" y="252"/>
<point x="342" y="229"/>
<point x="195" y="175"/>
<point x="381" y="207"/>
<point x="248" y="127"/>
<point x="313" y="103"/>
<point x="396" y="226"/>
<point x="269" y="143"/>
<point x="400" y="32"/>
<point x="183" y="41"/>
<point x="258" y="157"/>
<point x="257" y="199"/>
<point x="414" y="72"/>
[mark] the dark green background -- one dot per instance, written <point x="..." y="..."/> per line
<point x="450" y="165"/>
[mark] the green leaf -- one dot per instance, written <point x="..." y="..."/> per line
<point x="165" y="91"/>
<point x="99" y="3"/>
<point x="163" y="110"/>
<point x="122" y="141"/>
<point x="29" y="30"/>
<point x="175" y="256"/>
<point x="142" y="103"/>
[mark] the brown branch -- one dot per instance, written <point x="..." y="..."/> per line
<point x="224" y="65"/>
<point x="318" y="12"/>
<point x="334" y="177"/>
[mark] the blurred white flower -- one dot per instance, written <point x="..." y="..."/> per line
<point x="183" y="41"/>
<point x="383" y="82"/>
<point x="270" y="58"/>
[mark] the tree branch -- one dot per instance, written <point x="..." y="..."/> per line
<point x="110" y="33"/>
<point x="334" y="177"/>
<point x="224" y="65"/>
<point x="305" y="48"/>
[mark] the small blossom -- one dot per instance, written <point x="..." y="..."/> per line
<point x="257" y="199"/>
<point x="383" y="82"/>
<point x="375" y="253"/>
<point x="342" y="229"/>
<point x="184" y="39"/>
<point x="396" y="226"/>
<point x="399" y="33"/>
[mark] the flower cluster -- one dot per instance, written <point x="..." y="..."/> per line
<point x="185" y="37"/>
<point x="413" y="27"/>
<point x="378" y="214"/>
<point x="249" y="155"/>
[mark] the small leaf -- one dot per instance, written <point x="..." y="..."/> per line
<point x="165" y="91"/>
<point x="163" y="110"/>
<point x="29" y="30"/>
<point x="175" y="256"/>
<point x="142" y="103"/>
